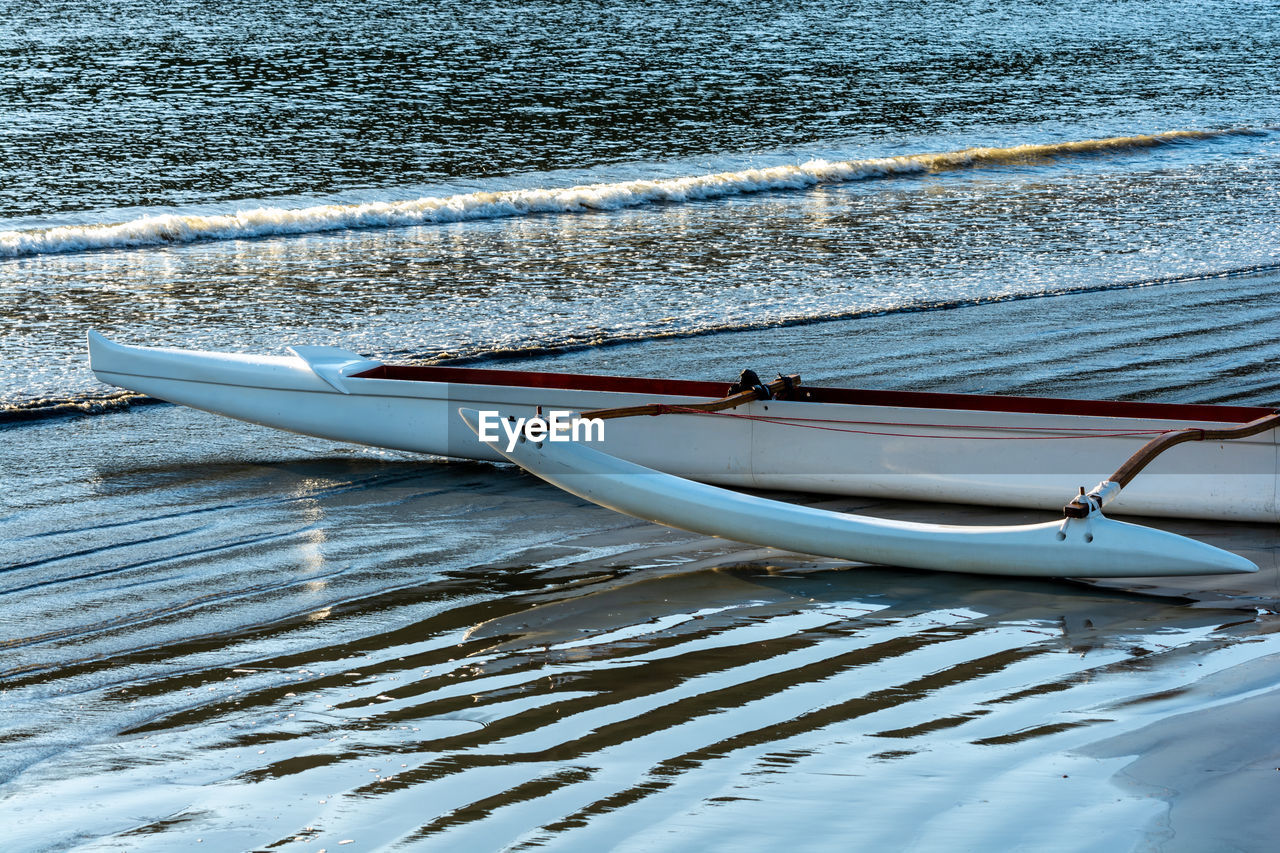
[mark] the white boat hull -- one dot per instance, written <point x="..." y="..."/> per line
<point x="1093" y="547"/>
<point x="945" y="453"/>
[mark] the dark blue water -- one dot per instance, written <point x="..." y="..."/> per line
<point x="134" y="104"/>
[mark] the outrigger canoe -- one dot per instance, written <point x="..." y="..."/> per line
<point x="972" y="449"/>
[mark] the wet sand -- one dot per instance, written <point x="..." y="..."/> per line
<point x="223" y="635"/>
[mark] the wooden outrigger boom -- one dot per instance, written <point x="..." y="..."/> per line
<point x="1107" y="491"/>
<point x="757" y="391"/>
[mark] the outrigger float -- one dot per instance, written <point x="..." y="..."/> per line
<point x="681" y="438"/>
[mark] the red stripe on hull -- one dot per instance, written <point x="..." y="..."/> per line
<point x="848" y="396"/>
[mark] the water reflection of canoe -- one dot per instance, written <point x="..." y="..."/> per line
<point x="974" y="449"/>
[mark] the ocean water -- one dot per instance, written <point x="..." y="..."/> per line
<point x="221" y="635"/>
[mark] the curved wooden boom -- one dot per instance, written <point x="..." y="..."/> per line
<point x="1108" y="489"/>
<point x="1153" y="448"/>
<point x="760" y="392"/>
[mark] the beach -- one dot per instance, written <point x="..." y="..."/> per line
<point x="223" y="637"/>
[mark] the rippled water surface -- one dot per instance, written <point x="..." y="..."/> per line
<point x="132" y="103"/>
<point x="222" y="636"/>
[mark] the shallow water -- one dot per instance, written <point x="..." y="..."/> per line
<point x="312" y="644"/>
<point x="215" y="634"/>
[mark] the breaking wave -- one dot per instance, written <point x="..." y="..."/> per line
<point x="48" y="408"/>
<point x="170" y="229"/>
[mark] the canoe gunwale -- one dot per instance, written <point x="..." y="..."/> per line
<point x="1189" y="412"/>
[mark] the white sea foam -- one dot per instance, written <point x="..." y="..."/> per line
<point x="268" y="221"/>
